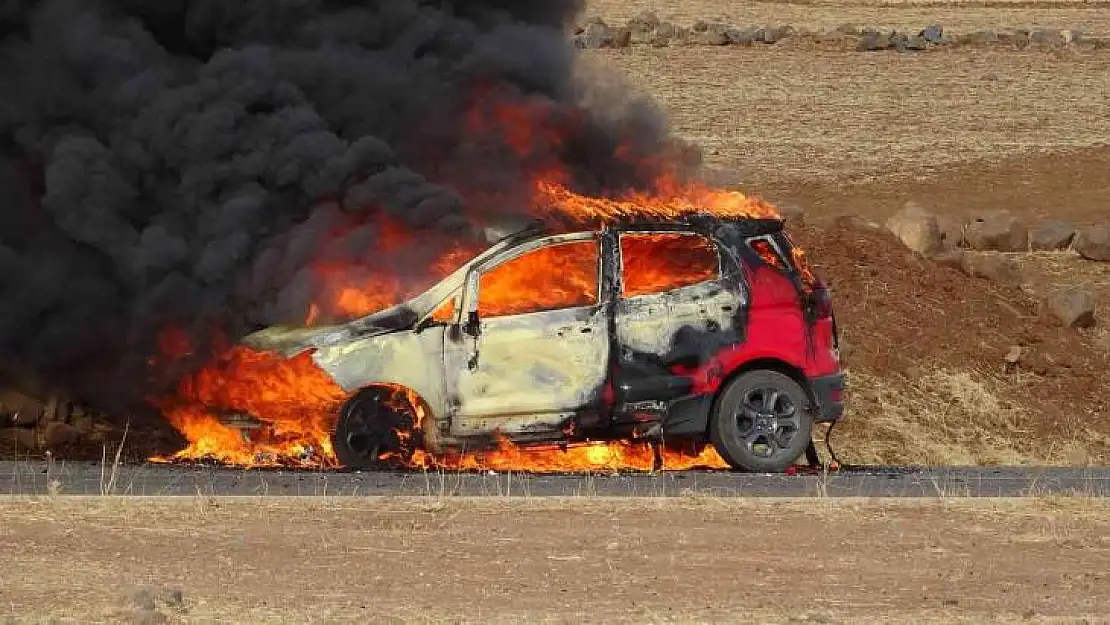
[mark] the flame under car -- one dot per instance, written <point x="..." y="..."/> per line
<point x="705" y="329"/>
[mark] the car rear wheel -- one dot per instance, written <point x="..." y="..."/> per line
<point x="374" y="433"/>
<point x="761" y="422"/>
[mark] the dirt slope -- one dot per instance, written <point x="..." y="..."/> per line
<point x="926" y="349"/>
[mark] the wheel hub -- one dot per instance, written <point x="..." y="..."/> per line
<point x="766" y="422"/>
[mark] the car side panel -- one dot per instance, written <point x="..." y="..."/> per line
<point x="776" y="330"/>
<point x="532" y="371"/>
<point x="651" y="323"/>
<point x="406" y="358"/>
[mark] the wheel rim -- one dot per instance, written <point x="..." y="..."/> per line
<point x="767" y="422"/>
<point x="369" y="436"/>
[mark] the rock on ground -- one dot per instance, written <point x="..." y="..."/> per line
<point x="741" y="36"/>
<point x="911" y="43"/>
<point x="933" y="34"/>
<point x="1048" y="38"/>
<point x="1073" y="306"/>
<point x="58" y="435"/>
<point x="664" y="33"/>
<point x="951" y="230"/>
<point x="981" y="38"/>
<point x="19" y="409"/>
<point x="1093" y="243"/>
<point x="1102" y="340"/>
<point x="1050" y="235"/>
<point x="596" y="35"/>
<point x="873" y="40"/>
<point x="775" y="34"/>
<point x="998" y="231"/>
<point x="993" y="266"/>
<point x="916" y="228"/>
<point x="642" y="27"/>
<point x="711" y="35"/>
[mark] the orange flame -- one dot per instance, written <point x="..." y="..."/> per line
<point x="657" y="262"/>
<point x="296" y="405"/>
<point x="295" y="399"/>
<point x="671" y="201"/>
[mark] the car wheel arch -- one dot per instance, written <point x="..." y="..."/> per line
<point x="762" y="364"/>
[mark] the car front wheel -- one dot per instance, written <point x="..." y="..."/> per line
<point x="373" y="434"/>
<point x="761" y="422"/>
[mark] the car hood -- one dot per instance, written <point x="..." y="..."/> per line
<point x="291" y="340"/>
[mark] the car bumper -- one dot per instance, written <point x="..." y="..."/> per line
<point x="828" y="392"/>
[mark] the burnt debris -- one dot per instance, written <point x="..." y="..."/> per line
<point x="183" y="162"/>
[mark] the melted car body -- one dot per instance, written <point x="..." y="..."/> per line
<point x="634" y="329"/>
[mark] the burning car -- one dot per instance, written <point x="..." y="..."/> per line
<point x="697" y="327"/>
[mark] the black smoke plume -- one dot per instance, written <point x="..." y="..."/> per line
<point x="182" y="162"/>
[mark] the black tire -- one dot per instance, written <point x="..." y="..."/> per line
<point x="761" y="422"/>
<point x="371" y="434"/>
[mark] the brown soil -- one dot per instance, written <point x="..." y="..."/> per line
<point x="1069" y="185"/>
<point x="926" y="349"/>
<point x="566" y="561"/>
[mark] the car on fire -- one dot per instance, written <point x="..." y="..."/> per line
<point x="698" y="327"/>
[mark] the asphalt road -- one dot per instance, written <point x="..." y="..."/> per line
<point x="87" y="478"/>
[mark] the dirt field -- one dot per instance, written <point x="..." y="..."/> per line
<point x="578" y="560"/>
<point x="850" y="132"/>
<point x="959" y="16"/>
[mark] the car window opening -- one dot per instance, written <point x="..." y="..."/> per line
<point x="769" y="254"/>
<point x="563" y="275"/>
<point x="659" y="262"/>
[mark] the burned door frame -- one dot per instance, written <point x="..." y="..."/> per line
<point x="645" y="384"/>
<point x="460" y="347"/>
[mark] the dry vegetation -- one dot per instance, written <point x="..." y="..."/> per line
<point x="553" y="561"/>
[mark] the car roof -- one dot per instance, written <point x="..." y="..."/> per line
<point x="701" y="223"/>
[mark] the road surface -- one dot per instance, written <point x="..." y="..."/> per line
<point x="87" y="478"/>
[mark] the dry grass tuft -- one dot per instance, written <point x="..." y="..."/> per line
<point x="942" y="417"/>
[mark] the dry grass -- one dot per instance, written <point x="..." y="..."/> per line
<point x="945" y="417"/>
<point x="554" y="561"/>
<point x="957" y="16"/>
<point x="949" y="418"/>
<point x="768" y="116"/>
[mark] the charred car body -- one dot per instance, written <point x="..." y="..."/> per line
<point x="701" y="328"/>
